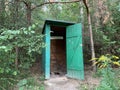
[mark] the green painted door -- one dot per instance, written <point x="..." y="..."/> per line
<point x="75" y="68"/>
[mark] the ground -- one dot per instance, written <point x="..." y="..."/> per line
<point x="57" y="82"/>
<point x="64" y="83"/>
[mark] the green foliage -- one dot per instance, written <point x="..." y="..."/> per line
<point x="26" y="39"/>
<point x="109" y="79"/>
<point x="106" y="61"/>
<point x="8" y="72"/>
<point x="30" y="84"/>
<point x="107" y="36"/>
<point x="29" y="43"/>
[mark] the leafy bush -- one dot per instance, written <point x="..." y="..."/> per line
<point x="30" y="84"/>
<point x="28" y="42"/>
<point x="104" y="63"/>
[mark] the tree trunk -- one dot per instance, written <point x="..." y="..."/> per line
<point x="2" y="12"/>
<point x="15" y="20"/>
<point x="91" y="40"/>
<point x="28" y="13"/>
<point x="16" y="60"/>
<point x="91" y="33"/>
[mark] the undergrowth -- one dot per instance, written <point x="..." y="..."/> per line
<point x="31" y="83"/>
<point x="110" y="79"/>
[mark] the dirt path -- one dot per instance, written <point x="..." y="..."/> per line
<point x="61" y="83"/>
<point x="64" y="83"/>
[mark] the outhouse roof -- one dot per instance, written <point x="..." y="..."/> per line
<point x="57" y="23"/>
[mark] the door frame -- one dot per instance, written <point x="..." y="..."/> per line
<point x="46" y="51"/>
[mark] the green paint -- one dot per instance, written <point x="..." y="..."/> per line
<point x="56" y="23"/>
<point x="75" y="68"/>
<point x="47" y="52"/>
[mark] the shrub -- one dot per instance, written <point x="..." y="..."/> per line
<point x="104" y="63"/>
<point x="29" y="43"/>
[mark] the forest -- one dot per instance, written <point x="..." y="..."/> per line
<point x="21" y="40"/>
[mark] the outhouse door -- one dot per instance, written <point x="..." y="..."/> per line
<point x="74" y="52"/>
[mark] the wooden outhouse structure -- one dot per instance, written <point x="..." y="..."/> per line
<point x="63" y="53"/>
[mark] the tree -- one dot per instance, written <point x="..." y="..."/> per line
<point x="90" y="30"/>
<point x="2" y="13"/>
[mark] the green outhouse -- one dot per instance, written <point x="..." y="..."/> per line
<point x="63" y="53"/>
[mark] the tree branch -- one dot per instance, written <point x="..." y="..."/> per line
<point x="24" y="2"/>
<point x="61" y="2"/>
<point x="87" y="8"/>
